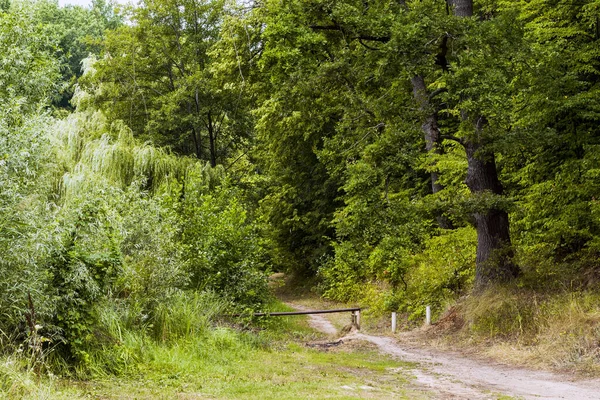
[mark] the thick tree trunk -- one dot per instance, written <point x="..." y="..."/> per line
<point x="494" y="251"/>
<point x="431" y="133"/>
<point x="462" y="8"/>
<point x="430" y="125"/>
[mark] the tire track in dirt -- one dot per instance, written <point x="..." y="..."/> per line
<point x="451" y="376"/>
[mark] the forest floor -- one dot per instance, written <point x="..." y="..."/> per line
<point x="446" y="374"/>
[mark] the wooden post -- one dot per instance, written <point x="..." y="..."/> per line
<point x="428" y="315"/>
<point x="394" y="322"/>
<point x="356" y="319"/>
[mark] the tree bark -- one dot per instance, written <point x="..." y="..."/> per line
<point x="196" y="143"/>
<point x="431" y="133"/>
<point x="462" y="8"/>
<point x="212" y="138"/>
<point x="494" y="262"/>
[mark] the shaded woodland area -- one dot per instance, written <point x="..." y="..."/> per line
<point x="163" y="158"/>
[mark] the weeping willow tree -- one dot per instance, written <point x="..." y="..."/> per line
<point x="87" y="143"/>
<point x="87" y="148"/>
<point x="135" y="225"/>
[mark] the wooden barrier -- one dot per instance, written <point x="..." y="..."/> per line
<point x="355" y="311"/>
<point x="355" y="314"/>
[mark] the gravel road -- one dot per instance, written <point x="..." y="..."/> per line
<point x="452" y="376"/>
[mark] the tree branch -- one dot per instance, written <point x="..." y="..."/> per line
<point x="336" y="27"/>
<point x="381" y="39"/>
<point x="453" y="138"/>
<point x="437" y="92"/>
<point x="367" y="46"/>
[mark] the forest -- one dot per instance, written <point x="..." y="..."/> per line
<point x="160" y="160"/>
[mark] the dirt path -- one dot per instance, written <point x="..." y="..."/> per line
<point x="451" y="376"/>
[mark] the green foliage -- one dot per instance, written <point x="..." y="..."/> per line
<point x="29" y="74"/>
<point x="100" y="233"/>
<point x="438" y="275"/>
<point x="75" y="32"/>
<point x="221" y="244"/>
<point x="158" y="75"/>
<point x="395" y="279"/>
<point x="335" y="111"/>
<point x="309" y="154"/>
<point x="121" y="224"/>
<point x="301" y="194"/>
<point x="558" y="224"/>
<point x="155" y="268"/>
<point x="80" y="277"/>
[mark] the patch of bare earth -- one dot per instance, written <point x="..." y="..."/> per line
<point x="448" y="375"/>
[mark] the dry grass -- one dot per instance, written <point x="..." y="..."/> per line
<point x="558" y="331"/>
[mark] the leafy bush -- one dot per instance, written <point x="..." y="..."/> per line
<point x="440" y="274"/>
<point x="389" y="277"/>
<point x="115" y="225"/>
<point x="24" y="215"/>
<point x="154" y="267"/>
<point x="82" y="274"/>
<point x="556" y="222"/>
<point x="222" y="245"/>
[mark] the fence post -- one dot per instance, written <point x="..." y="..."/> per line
<point x="394" y="322"/>
<point x="356" y="319"/>
<point x="428" y="315"/>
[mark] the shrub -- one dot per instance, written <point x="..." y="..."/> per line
<point x="222" y="245"/>
<point x="440" y="274"/>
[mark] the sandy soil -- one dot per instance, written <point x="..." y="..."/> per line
<point x="452" y="376"/>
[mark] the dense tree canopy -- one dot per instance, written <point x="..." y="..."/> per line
<point x="425" y="113"/>
<point x="158" y="75"/>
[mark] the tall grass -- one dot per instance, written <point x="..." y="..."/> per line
<point x="19" y="382"/>
<point x="186" y="316"/>
<point x="127" y="340"/>
<point x="182" y="337"/>
<point x="560" y="329"/>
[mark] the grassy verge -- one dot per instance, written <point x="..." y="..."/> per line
<point x="293" y="372"/>
<point x="268" y="361"/>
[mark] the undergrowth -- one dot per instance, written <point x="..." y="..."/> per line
<point x="194" y="352"/>
<point x="187" y="328"/>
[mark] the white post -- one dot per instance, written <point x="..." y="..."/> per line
<point x="358" y="319"/>
<point x="428" y="315"/>
<point x="394" y="322"/>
